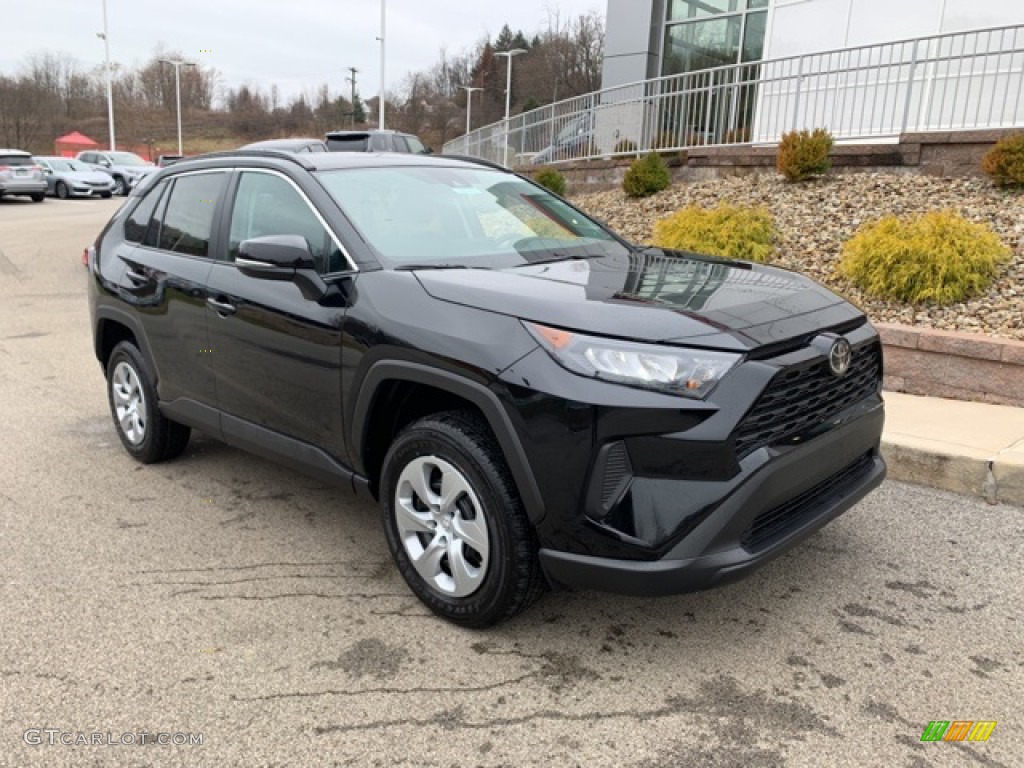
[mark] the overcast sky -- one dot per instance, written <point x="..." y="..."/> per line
<point x="297" y="44"/>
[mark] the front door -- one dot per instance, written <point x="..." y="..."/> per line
<point x="277" y="354"/>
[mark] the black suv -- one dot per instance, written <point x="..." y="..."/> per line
<point x="532" y="400"/>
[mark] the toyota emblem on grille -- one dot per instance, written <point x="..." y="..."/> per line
<point x="839" y="357"/>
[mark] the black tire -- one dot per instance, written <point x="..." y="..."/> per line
<point x="61" y="190"/>
<point x="120" y="187"/>
<point x="38" y="197"/>
<point x="161" y="438"/>
<point x="512" y="580"/>
<point x="105" y="195"/>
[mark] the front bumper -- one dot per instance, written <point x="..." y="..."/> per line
<point x="777" y="503"/>
<point x="82" y="190"/>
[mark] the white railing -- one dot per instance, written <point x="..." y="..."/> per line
<point x="961" y="81"/>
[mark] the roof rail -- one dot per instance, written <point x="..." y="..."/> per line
<point x="477" y="161"/>
<point x="277" y="154"/>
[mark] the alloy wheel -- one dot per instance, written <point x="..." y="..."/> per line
<point x="129" y="403"/>
<point x="442" y="526"/>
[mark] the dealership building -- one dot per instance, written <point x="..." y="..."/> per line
<point x="647" y="39"/>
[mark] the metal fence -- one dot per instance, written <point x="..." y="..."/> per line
<point x="961" y="81"/>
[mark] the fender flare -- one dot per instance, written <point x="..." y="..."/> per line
<point x="482" y="397"/>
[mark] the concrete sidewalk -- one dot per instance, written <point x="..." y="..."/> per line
<point x="970" y="448"/>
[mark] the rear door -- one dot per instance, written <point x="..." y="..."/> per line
<point x="165" y="279"/>
<point x="277" y="354"/>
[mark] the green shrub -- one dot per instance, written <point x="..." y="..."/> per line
<point x="728" y="231"/>
<point x="1005" y="161"/>
<point x="625" y="146"/>
<point x="552" y="180"/>
<point x="645" y="176"/>
<point x="804" y="154"/>
<point x="938" y="257"/>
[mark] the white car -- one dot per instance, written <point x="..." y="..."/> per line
<point x="126" y="168"/>
<point x="72" y="178"/>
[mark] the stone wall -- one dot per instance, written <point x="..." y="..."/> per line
<point x="947" y="153"/>
<point x="960" y="366"/>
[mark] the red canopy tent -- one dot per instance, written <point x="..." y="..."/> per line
<point x="73" y="143"/>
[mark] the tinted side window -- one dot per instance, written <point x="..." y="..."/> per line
<point x="137" y="224"/>
<point x="380" y="142"/>
<point x="268" y="205"/>
<point x="188" y="219"/>
<point x="400" y="144"/>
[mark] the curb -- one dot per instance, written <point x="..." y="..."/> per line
<point x="998" y="480"/>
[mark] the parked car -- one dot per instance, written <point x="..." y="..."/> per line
<point x="126" y="168"/>
<point x="290" y="145"/>
<point x="532" y="399"/>
<point x="162" y="161"/>
<point x="21" y="175"/>
<point x="375" y="141"/>
<point x="72" y="178"/>
<point x="575" y="139"/>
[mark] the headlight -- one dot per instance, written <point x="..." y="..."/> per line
<point x="677" y="370"/>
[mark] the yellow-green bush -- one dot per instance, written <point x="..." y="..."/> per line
<point x="552" y="180"/>
<point x="646" y="176"/>
<point x="937" y="257"/>
<point x="1005" y="161"/>
<point x="804" y="154"/>
<point x="728" y="231"/>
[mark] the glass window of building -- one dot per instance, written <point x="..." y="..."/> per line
<point x="701" y="34"/>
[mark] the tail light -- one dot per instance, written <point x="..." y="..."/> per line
<point x="6" y="168"/>
<point x="87" y="254"/>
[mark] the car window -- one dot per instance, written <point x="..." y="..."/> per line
<point x="415" y="145"/>
<point x="400" y="144"/>
<point x="188" y="219"/>
<point x="356" y="143"/>
<point x="16" y="160"/>
<point x="316" y="148"/>
<point x="268" y="205"/>
<point x="141" y="220"/>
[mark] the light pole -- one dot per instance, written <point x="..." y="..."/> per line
<point x="110" y="88"/>
<point x="383" y="56"/>
<point x="469" y="105"/>
<point x="508" y="92"/>
<point x="178" y="64"/>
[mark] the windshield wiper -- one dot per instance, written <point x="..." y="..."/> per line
<point x="560" y="257"/>
<point x="410" y="267"/>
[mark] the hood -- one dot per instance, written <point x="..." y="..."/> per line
<point x="86" y="177"/>
<point x="653" y="296"/>
<point x="135" y="170"/>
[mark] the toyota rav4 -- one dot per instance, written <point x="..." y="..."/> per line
<point x="532" y="400"/>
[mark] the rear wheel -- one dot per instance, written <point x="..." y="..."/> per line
<point x="455" y="524"/>
<point x="62" y="190"/>
<point x="145" y="433"/>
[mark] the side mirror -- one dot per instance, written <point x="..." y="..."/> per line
<point x="281" y="257"/>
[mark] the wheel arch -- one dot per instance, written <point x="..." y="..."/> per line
<point x="113" y="327"/>
<point x="385" y="405"/>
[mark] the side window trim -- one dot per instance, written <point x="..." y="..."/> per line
<point x="353" y="267"/>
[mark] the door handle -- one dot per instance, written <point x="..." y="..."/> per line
<point x="222" y="308"/>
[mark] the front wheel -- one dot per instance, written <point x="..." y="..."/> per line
<point x="120" y="188"/>
<point x="38" y="197"/>
<point x="145" y="433"/>
<point x="455" y="524"/>
<point x="105" y="195"/>
<point x="62" y="190"/>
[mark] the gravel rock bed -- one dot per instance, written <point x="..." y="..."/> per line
<point x="813" y="221"/>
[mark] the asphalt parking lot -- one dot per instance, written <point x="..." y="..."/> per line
<point x="221" y="595"/>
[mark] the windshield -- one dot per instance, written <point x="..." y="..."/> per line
<point x="462" y="216"/>
<point x="67" y="165"/>
<point x="126" y="158"/>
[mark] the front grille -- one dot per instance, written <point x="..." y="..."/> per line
<point x="802" y="397"/>
<point x="775" y="522"/>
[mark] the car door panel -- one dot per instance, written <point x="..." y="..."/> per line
<point x="276" y="354"/>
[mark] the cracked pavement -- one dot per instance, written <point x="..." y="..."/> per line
<point x="220" y="594"/>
